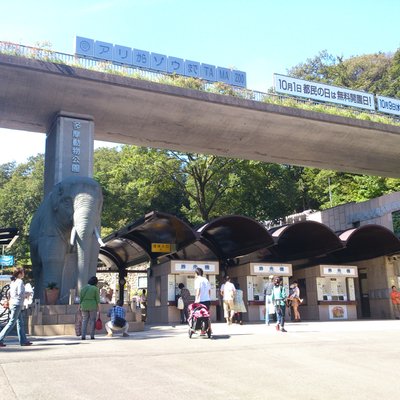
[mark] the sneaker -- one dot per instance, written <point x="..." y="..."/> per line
<point x="125" y="334"/>
<point x="109" y="335"/>
<point x="277" y="327"/>
<point x="283" y="330"/>
<point x="2" y="344"/>
<point x="26" y="344"/>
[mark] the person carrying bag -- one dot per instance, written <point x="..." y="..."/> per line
<point x="117" y="321"/>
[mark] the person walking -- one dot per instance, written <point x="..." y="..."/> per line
<point x="238" y="305"/>
<point x="279" y="300"/>
<point x="228" y="291"/>
<point x="395" y="297"/>
<point x="185" y="295"/>
<point x="118" y="322"/>
<point x="295" y="301"/>
<point x="202" y="289"/>
<point x="16" y="304"/>
<point x="269" y="307"/>
<point x="89" y="305"/>
<point x="143" y="305"/>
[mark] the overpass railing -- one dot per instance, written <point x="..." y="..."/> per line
<point x="192" y="83"/>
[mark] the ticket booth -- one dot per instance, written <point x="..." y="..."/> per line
<point x="252" y="278"/>
<point x="163" y="288"/>
<point x="330" y="292"/>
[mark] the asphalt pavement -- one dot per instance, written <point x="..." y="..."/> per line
<point x="313" y="360"/>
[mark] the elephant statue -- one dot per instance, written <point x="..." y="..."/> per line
<point x="64" y="236"/>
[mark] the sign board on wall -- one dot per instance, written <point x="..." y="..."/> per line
<point x="321" y="92"/>
<point x="163" y="247"/>
<point x="158" y="62"/>
<point x="347" y="271"/>
<point x="188" y="267"/>
<point x="271" y="269"/>
<point x="388" y="105"/>
<point x="6" y="261"/>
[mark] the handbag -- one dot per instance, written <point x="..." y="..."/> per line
<point x="180" y="305"/>
<point x="78" y="323"/>
<point x="99" y="324"/>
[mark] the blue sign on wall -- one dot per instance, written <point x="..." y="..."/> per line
<point x="6" y="261"/>
<point x="158" y="62"/>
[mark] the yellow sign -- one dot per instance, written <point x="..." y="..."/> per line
<point x="162" y="247"/>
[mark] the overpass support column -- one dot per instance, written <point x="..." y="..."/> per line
<point x="69" y="149"/>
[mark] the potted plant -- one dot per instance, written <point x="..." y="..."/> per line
<point x="51" y="293"/>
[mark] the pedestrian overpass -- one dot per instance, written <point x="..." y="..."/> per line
<point x="143" y="113"/>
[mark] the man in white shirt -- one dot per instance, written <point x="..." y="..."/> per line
<point x="228" y="291"/>
<point x="202" y="288"/>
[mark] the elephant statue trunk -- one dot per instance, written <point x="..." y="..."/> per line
<point x="85" y="225"/>
<point x="64" y="236"/>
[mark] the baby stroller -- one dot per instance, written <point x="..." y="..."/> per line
<point x="199" y="319"/>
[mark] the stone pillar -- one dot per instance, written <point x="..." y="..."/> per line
<point x="69" y="149"/>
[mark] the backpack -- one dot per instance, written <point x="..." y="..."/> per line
<point x="119" y="322"/>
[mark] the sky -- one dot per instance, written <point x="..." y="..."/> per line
<point x="260" y="37"/>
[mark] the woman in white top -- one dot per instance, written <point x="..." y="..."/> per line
<point x="296" y="301"/>
<point x="17" y="297"/>
<point x="238" y="304"/>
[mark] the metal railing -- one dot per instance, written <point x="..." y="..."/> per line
<point x="177" y="80"/>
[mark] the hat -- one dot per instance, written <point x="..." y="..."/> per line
<point x="271" y="277"/>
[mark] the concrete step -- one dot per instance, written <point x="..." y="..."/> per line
<point x="56" y="320"/>
<point x="69" y="329"/>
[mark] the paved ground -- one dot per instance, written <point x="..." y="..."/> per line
<point x="313" y="360"/>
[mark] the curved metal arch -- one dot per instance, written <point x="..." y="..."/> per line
<point x="110" y="255"/>
<point x="366" y="242"/>
<point x="305" y="239"/>
<point x="235" y="236"/>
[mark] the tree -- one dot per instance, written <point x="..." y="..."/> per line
<point x="263" y="191"/>
<point x="20" y="197"/>
<point x="134" y="185"/>
<point x="203" y="179"/>
<point x="370" y="72"/>
<point x="393" y="89"/>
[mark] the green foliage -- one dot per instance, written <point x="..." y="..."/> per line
<point x="21" y="192"/>
<point x="133" y="184"/>
<point x="396" y="223"/>
<point x="52" y="285"/>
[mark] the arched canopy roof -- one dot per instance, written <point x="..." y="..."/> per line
<point x="132" y="244"/>
<point x="198" y="251"/>
<point x="304" y="239"/>
<point x="238" y="240"/>
<point x="235" y="235"/>
<point x="7" y="235"/>
<point x="366" y="242"/>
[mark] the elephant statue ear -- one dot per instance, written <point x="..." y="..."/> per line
<point x="55" y="196"/>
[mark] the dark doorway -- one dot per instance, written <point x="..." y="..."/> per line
<point x="364" y="293"/>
